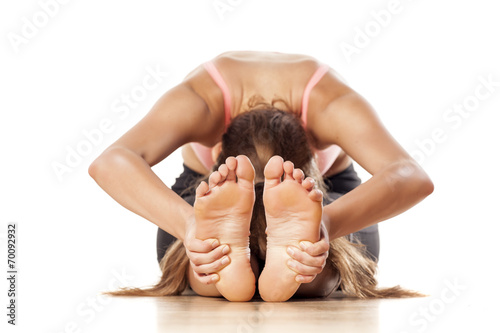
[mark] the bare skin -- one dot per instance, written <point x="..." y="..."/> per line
<point x="223" y="210"/>
<point x="293" y="214"/>
<point x="193" y="111"/>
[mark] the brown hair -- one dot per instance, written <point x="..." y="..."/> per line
<point x="261" y="134"/>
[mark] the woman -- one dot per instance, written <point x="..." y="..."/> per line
<point x="330" y="124"/>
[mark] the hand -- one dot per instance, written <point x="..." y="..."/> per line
<point x="206" y="257"/>
<point x="310" y="260"/>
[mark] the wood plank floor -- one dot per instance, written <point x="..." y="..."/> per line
<point x="203" y="314"/>
<point x="192" y="313"/>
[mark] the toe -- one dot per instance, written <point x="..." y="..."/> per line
<point x="245" y="171"/>
<point x="223" y="170"/>
<point x="202" y="189"/>
<point x="316" y="195"/>
<point x="273" y="171"/>
<point x="231" y="164"/>
<point x="214" y="179"/>
<point x="308" y="183"/>
<point x="288" y="168"/>
<point x="298" y="175"/>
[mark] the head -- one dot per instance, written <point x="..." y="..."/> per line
<point x="260" y="134"/>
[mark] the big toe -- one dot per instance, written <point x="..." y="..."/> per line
<point x="273" y="171"/>
<point x="244" y="170"/>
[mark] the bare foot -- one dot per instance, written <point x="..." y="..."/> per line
<point x="293" y="214"/>
<point x="223" y="210"/>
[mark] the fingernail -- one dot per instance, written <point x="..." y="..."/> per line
<point x="225" y="261"/>
<point x="225" y="250"/>
<point x="291" y="264"/>
<point x="215" y="278"/>
<point x="303" y="245"/>
<point x="215" y="243"/>
<point x="290" y="251"/>
<point x="298" y="278"/>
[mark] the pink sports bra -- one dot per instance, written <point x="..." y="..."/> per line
<point x="325" y="157"/>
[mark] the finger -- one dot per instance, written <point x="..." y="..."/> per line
<point x="207" y="258"/>
<point x="207" y="279"/>
<point x="305" y="278"/>
<point x="306" y="258"/>
<point x="212" y="267"/>
<point x="302" y="269"/>
<point x="201" y="246"/>
<point x="315" y="249"/>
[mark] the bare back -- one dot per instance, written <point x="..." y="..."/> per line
<point x="267" y="78"/>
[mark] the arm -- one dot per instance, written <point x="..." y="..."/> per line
<point x="397" y="182"/>
<point x="123" y="170"/>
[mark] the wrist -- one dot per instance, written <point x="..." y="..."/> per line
<point x="325" y="222"/>
<point x="329" y="222"/>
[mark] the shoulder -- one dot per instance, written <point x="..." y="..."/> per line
<point x="203" y="86"/>
<point x="329" y="89"/>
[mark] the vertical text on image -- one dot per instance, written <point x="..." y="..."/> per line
<point x="12" y="273"/>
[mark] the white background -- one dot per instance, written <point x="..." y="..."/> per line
<point x="65" y="78"/>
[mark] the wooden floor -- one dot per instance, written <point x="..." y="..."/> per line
<point x="202" y="314"/>
<point x="217" y="315"/>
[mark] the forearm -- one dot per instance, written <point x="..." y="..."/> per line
<point x="128" y="179"/>
<point x="388" y="193"/>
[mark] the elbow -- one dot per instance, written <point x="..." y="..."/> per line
<point x="106" y="164"/>
<point x="93" y="168"/>
<point x="426" y="185"/>
<point x="422" y="183"/>
<point x="97" y="168"/>
<point x="414" y="179"/>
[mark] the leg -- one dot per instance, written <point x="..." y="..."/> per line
<point x="293" y="213"/>
<point x="163" y="242"/>
<point x="340" y="184"/>
<point x="370" y="238"/>
<point x="184" y="187"/>
<point x="223" y="210"/>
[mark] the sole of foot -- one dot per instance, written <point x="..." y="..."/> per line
<point x="223" y="210"/>
<point x="293" y="214"/>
